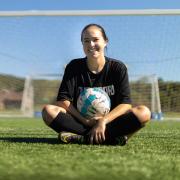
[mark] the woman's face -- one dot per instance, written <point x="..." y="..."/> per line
<point x="93" y="42"/>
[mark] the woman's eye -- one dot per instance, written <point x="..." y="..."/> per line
<point x="95" y="40"/>
<point x="86" y="41"/>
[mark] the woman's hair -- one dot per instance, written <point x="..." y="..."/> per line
<point x="98" y="26"/>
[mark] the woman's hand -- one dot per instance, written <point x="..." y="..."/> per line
<point x="89" y="122"/>
<point x="97" y="133"/>
<point x="92" y="121"/>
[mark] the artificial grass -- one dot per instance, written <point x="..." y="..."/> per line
<point x="30" y="150"/>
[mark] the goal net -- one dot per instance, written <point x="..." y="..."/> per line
<point x="36" y="45"/>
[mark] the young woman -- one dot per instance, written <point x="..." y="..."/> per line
<point x="95" y="70"/>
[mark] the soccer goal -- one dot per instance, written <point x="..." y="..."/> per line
<point x="36" y="45"/>
<point x="42" y="89"/>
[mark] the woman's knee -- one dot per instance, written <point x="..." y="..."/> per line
<point x="49" y="112"/>
<point x="142" y="113"/>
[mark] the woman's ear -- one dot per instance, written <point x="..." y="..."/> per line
<point x="106" y="42"/>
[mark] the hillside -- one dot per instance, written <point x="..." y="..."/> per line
<point x="45" y="91"/>
<point x="8" y="82"/>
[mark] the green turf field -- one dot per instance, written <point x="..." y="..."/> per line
<point x="30" y="150"/>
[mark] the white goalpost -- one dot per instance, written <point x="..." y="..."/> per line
<point x="155" y="99"/>
<point x="35" y="46"/>
<point x="27" y="104"/>
<point x="127" y="12"/>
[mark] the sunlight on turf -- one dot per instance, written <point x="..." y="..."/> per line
<point x="31" y="150"/>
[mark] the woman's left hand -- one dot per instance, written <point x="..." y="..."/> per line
<point x="97" y="133"/>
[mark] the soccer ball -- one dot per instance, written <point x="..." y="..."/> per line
<point x="93" y="102"/>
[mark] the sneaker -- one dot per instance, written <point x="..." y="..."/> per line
<point x="122" y="140"/>
<point x="68" y="137"/>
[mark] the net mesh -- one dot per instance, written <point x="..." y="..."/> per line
<point x="147" y="44"/>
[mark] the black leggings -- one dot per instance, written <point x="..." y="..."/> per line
<point x="123" y="125"/>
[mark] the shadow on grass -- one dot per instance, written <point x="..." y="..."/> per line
<point x="30" y="140"/>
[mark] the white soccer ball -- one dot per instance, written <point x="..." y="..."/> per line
<point x="93" y="102"/>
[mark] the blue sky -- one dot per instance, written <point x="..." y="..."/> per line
<point x="87" y="4"/>
<point x="147" y="44"/>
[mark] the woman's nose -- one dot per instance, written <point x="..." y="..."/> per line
<point x="92" y="43"/>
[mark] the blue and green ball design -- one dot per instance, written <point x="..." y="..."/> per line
<point x="93" y="102"/>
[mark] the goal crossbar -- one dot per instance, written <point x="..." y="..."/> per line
<point x="90" y="12"/>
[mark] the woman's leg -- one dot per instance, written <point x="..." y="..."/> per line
<point x="127" y="124"/>
<point x="59" y="120"/>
